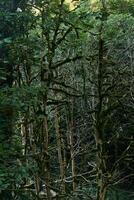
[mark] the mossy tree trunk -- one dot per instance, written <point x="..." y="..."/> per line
<point x="99" y="122"/>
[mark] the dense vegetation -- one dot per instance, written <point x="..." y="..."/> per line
<point x="66" y="100"/>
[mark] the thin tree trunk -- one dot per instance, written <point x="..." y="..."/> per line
<point x="60" y="151"/>
<point x="43" y="161"/>
<point x="71" y="143"/>
<point x="72" y="161"/>
<point x="45" y="157"/>
<point x="101" y="179"/>
<point x="101" y="195"/>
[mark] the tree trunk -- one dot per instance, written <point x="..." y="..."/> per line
<point x="45" y="157"/>
<point x="101" y="179"/>
<point x="101" y="194"/>
<point x="60" y="147"/>
<point x="99" y="122"/>
<point x="72" y="161"/>
<point x="71" y="143"/>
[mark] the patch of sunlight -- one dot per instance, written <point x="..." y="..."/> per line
<point x="71" y="4"/>
<point x="95" y="4"/>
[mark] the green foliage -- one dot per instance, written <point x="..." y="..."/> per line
<point x="50" y="55"/>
